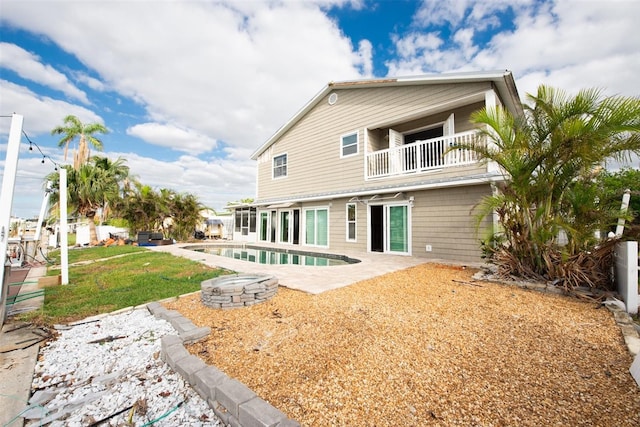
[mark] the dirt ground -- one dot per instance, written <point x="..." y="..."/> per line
<point x="426" y="346"/>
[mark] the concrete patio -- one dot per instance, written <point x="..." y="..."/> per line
<point x="311" y="279"/>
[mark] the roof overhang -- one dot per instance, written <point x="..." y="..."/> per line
<point x="485" y="178"/>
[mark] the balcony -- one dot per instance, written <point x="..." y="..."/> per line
<point x="422" y="156"/>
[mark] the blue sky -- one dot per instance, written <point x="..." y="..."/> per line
<point x="190" y="89"/>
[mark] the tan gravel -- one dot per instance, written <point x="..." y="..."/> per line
<point x="424" y="346"/>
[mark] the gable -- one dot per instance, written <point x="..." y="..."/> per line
<point x="402" y="99"/>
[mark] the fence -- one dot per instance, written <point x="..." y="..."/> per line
<point x="626" y="273"/>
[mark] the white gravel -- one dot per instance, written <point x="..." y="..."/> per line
<point x="78" y="383"/>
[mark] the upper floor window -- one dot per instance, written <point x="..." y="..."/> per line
<point x="280" y="166"/>
<point x="349" y="144"/>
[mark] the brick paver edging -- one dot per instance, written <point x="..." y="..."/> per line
<point x="233" y="402"/>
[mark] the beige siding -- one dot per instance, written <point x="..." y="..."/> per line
<point x="313" y="144"/>
<point x="339" y="227"/>
<point x="444" y="219"/>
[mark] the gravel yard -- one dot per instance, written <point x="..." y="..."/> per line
<point x="425" y="346"/>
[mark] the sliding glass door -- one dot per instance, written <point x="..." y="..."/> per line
<point x="316" y="227"/>
<point x="389" y="228"/>
<point x="398" y="229"/>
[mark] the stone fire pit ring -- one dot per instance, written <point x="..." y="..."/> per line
<point x="239" y="290"/>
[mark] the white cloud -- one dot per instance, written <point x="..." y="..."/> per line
<point x="215" y="182"/>
<point x="41" y="113"/>
<point x="232" y="70"/>
<point x="28" y="66"/>
<point x="414" y="43"/>
<point x="166" y="135"/>
<point x="464" y="39"/>
<point x="203" y="72"/>
<point x="365" y="51"/>
<point x="30" y="176"/>
<point x="437" y="12"/>
<point x="91" y="82"/>
<point x="569" y="44"/>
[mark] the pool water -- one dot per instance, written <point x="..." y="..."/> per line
<point x="276" y="257"/>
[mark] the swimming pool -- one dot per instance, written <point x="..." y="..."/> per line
<point x="274" y="256"/>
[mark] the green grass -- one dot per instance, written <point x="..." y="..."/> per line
<point x="93" y="253"/>
<point x="120" y="282"/>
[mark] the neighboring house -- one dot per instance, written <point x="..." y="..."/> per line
<point x="365" y="167"/>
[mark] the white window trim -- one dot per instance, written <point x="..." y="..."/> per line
<point x="387" y="243"/>
<point x="355" y="238"/>
<point x="273" y="166"/>
<point x="259" y="225"/>
<point x="279" y="227"/>
<point x="385" y="206"/>
<point x="357" y="134"/>
<point x="304" y="226"/>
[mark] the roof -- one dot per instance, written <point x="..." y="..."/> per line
<point x="503" y="81"/>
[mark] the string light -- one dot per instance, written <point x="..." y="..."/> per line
<point x="32" y="144"/>
<point x="44" y="156"/>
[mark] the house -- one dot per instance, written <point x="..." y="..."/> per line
<point x="366" y="166"/>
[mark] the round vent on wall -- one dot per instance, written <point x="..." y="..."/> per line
<point x="333" y="98"/>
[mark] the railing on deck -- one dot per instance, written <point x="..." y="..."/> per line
<point x="422" y="156"/>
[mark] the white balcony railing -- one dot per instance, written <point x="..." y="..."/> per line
<point x="422" y="156"/>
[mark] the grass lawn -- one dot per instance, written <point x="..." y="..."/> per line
<point x="117" y="282"/>
<point x="93" y="253"/>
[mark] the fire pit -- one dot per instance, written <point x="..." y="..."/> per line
<point x="238" y="291"/>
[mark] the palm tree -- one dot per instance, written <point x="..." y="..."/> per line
<point x="548" y="158"/>
<point x="145" y="209"/>
<point x="73" y="128"/>
<point x="142" y="208"/>
<point x="90" y="188"/>
<point x="185" y="215"/>
<point x="118" y="170"/>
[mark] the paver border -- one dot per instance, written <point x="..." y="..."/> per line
<point x="233" y="402"/>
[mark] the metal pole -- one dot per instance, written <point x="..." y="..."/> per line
<point x="64" y="236"/>
<point x="6" y="200"/>
<point x="45" y="202"/>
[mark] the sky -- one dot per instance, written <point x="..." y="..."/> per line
<point x="190" y="89"/>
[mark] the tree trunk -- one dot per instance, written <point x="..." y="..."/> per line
<point x="93" y="233"/>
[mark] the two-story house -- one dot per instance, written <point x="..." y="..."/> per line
<point x="367" y="166"/>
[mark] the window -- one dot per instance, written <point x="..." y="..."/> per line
<point x="245" y="220"/>
<point x="284" y="226"/>
<point x="351" y="222"/>
<point x="316" y="227"/>
<point x="280" y="166"/>
<point x="398" y="228"/>
<point x="349" y="144"/>
<point x="423" y="135"/>
<point x="264" y="226"/>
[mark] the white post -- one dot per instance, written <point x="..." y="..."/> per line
<point x="64" y="236"/>
<point x="626" y="274"/>
<point x="491" y="103"/>
<point x="625" y="205"/>
<point x="6" y="201"/>
<point x="43" y="207"/>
